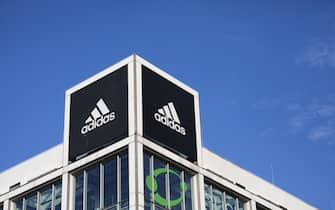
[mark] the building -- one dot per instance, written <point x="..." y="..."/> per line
<point x="132" y="141"/>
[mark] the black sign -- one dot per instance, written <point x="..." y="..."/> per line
<point x="99" y="114"/>
<point x="168" y="114"/>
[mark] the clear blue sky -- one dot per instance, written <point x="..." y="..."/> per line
<point x="265" y="71"/>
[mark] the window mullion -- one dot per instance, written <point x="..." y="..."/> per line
<point x="211" y="193"/>
<point x="118" y="169"/>
<point x="152" y="181"/>
<point x="167" y="184"/>
<point x="182" y="174"/>
<point x="24" y="202"/>
<point x="85" y="191"/>
<point x="102" y="184"/>
<point x="53" y="197"/>
<point x="236" y="204"/>
<point x="224" y="200"/>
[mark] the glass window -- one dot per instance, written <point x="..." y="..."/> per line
<point x="58" y="196"/>
<point x="31" y="202"/>
<point x="217" y="199"/>
<point x="41" y="199"/>
<point x="188" y="195"/>
<point x="160" y="180"/>
<point x="93" y="188"/>
<point x="79" y="192"/>
<point x="147" y="191"/>
<point x="96" y="190"/>
<point x="166" y="186"/>
<point x="1" y="207"/>
<point x="19" y="204"/>
<point x="218" y="203"/>
<point x="230" y="202"/>
<point x="110" y="184"/>
<point x="46" y="199"/>
<point x="124" y="182"/>
<point x="208" y="197"/>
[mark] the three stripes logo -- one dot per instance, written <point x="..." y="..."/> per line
<point x="167" y="115"/>
<point x="100" y="115"/>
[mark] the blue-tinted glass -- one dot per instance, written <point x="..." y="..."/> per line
<point x="31" y="202"/>
<point x="124" y="181"/>
<point x="79" y="192"/>
<point x="58" y="196"/>
<point x="208" y="197"/>
<point x="217" y="199"/>
<point x="19" y="204"/>
<point x="230" y="202"/>
<point x="46" y="198"/>
<point x="176" y="193"/>
<point x="240" y="204"/>
<point x="161" y="181"/>
<point x="188" y="195"/>
<point x="93" y="188"/>
<point x="110" y="185"/>
<point x="147" y="175"/>
<point x="1" y="207"/>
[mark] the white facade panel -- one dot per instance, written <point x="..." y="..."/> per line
<point x="251" y="182"/>
<point x="32" y="168"/>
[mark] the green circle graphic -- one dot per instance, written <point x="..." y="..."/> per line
<point x="153" y="186"/>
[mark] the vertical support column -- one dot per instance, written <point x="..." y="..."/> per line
<point x="198" y="195"/>
<point x="71" y="192"/>
<point x="131" y="97"/>
<point x="138" y="120"/>
<point x="132" y="176"/>
<point x="6" y="205"/>
<point x="140" y="176"/>
<point x="252" y="205"/>
<point x="65" y="190"/>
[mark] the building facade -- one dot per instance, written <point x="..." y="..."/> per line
<point x="132" y="140"/>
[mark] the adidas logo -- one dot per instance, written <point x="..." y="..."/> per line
<point x="100" y="115"/>
<point x="167" y="115"/>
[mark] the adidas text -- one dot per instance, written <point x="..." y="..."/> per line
<point x="170" y="123"/>
<point x="98" y="123"/>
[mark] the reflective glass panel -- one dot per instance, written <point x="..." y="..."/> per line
<point x="240" y="204"/>
<point x="93" y="188"/>
<point x="1" y="207"/>
<point x="124" y="181"/>
<point x="110" y="184"/>
<point x="217" y="199"/>
<point x="176" y="193"/>
<point x="19" y="204"/>
<point x="79" y="192"/>
<point x="46" y="198"/>
<point x="230" y="202"/>
<point x="188" y="195"/>
<point x="208" y="197"/>
<point x="31" y="202"/>
<point x="58" y="196"/>
<point x="147" y="175"/>
<point x="161" y="182"/>
<point x="166" y="187"/>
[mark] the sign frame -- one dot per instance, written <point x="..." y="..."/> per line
<point x="131" y="108"/>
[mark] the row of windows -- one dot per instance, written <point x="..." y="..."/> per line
<point x="105" y="185"/>
<point x="165" y="186"/>
<point x="217" y="199"/>
<point x="47" y="198"/>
